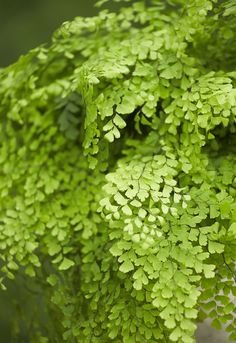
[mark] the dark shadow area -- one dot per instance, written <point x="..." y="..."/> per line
<point x="26" y="24"/>
<point x="23" y="311"/>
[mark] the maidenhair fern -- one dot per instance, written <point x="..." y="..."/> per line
<point x="118" y="173"/>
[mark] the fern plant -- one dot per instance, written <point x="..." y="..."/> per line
<point x="118" y="177"/>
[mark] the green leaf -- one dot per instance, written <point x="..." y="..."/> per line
<point x="125" y="107"/>
<point x="115" y="250"/>
<point x="170" y="323"/>
<point x="191" y="313"/>
<point x="142" y="213"/>
<point x="225" y="209"/>
<point x="138" y="284"/>
<point x="66" y="264"/>
<point x="214" y="213"/>
<point x="209" y="270"/>
<point x="120" y="199"/>
<point x="54" y="248"/>
<point x="119" y="121"/>
<point x="232" y="229"/>
<point x="176" y="334"/>
<point x="203" y="120"/>
<point x="187" y="325"/>
<point x="232" y="336"/>
<point x="202" y="239"/>
<point x="52" y="280"/>
<point x="126" y="266"/>
<point x="229" y="308"/>
<point x="109" y="136"/>
<point x="167" y="293"/>
<point x="126" y="210"/>
<point x="193" y="234"/>
<point x="135" y="203"/>
<point x="216" y="324"/>
<point x="215" y="247"/>
<point x="108" y="126"/>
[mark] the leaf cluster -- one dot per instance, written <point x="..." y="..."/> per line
<point x="118" y="177"/>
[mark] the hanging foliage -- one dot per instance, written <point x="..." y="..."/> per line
<point x="118" y="174"/>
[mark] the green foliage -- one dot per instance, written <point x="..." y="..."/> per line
<point x="118" y="178"/>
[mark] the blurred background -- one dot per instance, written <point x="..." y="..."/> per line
<point x="24" y="25"/>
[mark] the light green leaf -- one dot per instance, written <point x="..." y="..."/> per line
<point x="126" y="210"/>
<point x="66" y="264"/>
<point x="119" y="121"/>
<point x="215" y="247"/>
<point x="126" y="266"/>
